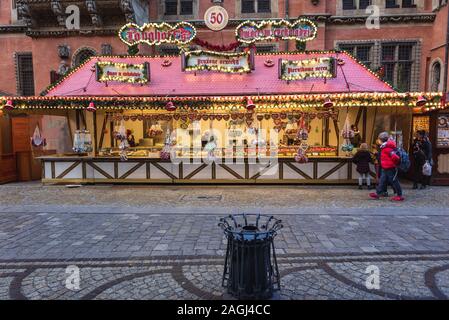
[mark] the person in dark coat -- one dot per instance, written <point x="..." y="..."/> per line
<point x="362" y="159"/>
<point x="422" y="152"/>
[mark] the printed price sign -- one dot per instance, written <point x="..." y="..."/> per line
<point x="216" y="18"/>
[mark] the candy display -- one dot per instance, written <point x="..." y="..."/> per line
<point x="82" y="141"/>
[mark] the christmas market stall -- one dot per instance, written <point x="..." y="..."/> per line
<point x="263" y="118"/>
<point x="216" y="117"/>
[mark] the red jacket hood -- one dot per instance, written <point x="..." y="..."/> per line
<point x="389" y="144"/>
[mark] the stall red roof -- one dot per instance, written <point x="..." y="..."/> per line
<point x="351" y="77"/>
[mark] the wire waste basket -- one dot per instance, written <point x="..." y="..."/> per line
<point x="250" y="269"/>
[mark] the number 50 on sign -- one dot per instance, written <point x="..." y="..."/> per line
<point x="216" y="18"/>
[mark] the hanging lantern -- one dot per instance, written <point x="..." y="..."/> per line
<point x="421" y="101"/>
<point x="91" y="107"/>
<point x="170" y="106"/>
<point x="9" y="105"/>
<point x="328" y="103"/>
<point x="249" y="104"/>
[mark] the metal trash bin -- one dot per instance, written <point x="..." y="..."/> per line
<point x="250" y="269"/>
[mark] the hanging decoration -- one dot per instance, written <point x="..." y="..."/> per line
<point x="250" y="104"/>
<point x="347" y="134"/>
<point x="91" y="107"/>
<point x="120" y="134"/>
<point x="8" y="105"/>
<point x="37" y="140"/>
<point x="165" y="152"/>
<point x="82" y="141"/>
<point x="155" y="130"/>
<point x="170" y="106"/>
<point x="303" y="136"/>
<point x="421" y="101"/>
<point x="219" y="48"/>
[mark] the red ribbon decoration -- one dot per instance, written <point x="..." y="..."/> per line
<point x="213" y="47"/>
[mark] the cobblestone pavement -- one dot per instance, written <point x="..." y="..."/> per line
<point x="164" y="243"/>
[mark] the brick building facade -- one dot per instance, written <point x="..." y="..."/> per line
<point x="37" y="47"/>
<point x="409" y="44"/>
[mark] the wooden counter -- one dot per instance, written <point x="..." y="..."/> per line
<point x="85" y="169"/>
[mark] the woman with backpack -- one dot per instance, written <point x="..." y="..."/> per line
<point x="389" y="161"/>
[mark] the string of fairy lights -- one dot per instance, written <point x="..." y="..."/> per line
<point x="432" y="101"/>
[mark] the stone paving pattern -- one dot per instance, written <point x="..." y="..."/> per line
<point x="151" y="242"/>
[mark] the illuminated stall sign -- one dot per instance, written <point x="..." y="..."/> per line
<point x="300" y="30"/>
<point x="157" y="33"/>
<point x="310" y="68"/>
<point x="443" y="131"/>
<point x="217" y="61"/>
<point x="122" y="72"/>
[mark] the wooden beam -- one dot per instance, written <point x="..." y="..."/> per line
<point x="94" y="116"/>
<point x="103" y="128"/>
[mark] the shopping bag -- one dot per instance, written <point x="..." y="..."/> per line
<point x="427" y="169"/>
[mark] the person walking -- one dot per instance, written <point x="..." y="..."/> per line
<point x="362" y="159"/>
<point x="389" y="161"/>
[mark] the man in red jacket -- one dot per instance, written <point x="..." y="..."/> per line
<point x="389" y="161"/>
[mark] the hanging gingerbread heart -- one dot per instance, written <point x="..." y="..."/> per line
<point x="248" y="115"/>
<point x="234" y="116"/>
<point x="275" y="116"/>
<point x="184" y="117"/>
<point x="191" y="116"/>
<point x="319" y="115"/>
<point x="249" y="122"/>
<point x="267" y="116"/>
<point x="133" y="118"/>
<point x="290" y="116"/>
<point x="312" y="116"/>
<point x="283" y="115"/>
<point x="205" y="117"/>
<point x="241" y="116"/>
<point x="125" y="118"/>
<point x="140" y="117"/>
<point x="259" y="117"/>
<point x="226" y="117"/>
<point x="176" y="116"/>
<point x="218" y="117"/>
<point x="211" y="117"/>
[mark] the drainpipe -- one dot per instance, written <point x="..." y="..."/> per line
<point x="446" y="55"/>
<point x="287" y="3"/>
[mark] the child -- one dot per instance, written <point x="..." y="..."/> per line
<point x="362" y="159"/>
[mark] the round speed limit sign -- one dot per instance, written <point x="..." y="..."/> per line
<point x="216" y="18"/>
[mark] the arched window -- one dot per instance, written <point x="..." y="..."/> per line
<point x="435" y="77"/>
<point x="82" y="55"/>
